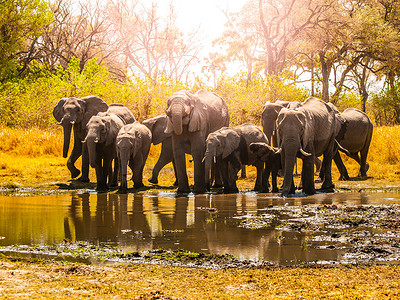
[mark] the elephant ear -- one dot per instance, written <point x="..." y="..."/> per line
<point x="197" y="118"/>
<point x="91" y="105"/>
<point x="58" y="111"/>
<point x="232" y="142"/>
<point x="157" y="127"/>
<point x="113" y="125"/>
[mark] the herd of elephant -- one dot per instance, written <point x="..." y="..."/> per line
<point x="198" y="124"/>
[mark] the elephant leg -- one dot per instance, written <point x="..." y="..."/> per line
<point x="85" y="164"/>
<point x="199" y="176"/>
<point x="265" y="179"/>
<point x="364" y="166"/>
<point x="307" y="175"/>
<point x="138" y="171"/>
<point x="100" y="176"/>
<point x="166" y="156"/>
<point x="234" y="165"/>
<point x="180" y="163"/>
<point x="243" y="173"/>
<point x="344" y="175"/>
<point x="216" y="174"/>
<point x="327" y="184"/>
<point x="75" y="154"/>
<point x="115" y="173"/>
<point x="274" y="176"/>
<point x="259" y="180"/>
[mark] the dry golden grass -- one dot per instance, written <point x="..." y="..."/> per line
<point x="36" y="280"/>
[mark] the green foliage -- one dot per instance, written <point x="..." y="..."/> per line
<point x="385" y="106"/>
<point x="245" y="101"/>
<point x="29" y="102"/>
<point x="21" y="22"/>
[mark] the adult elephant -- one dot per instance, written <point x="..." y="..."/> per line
<point x="270" y="113"/>
<point x="307" y="132"/>
<point x="75" y="113"/>
<point x="355" y="141"/>
<point x="231" y="147"/>
<point x="191" y="117"/>
<point x="100" y="140"/>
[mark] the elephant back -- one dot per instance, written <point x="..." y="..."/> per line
<point x="124" y="113"/>
<point x="217" y="109"/>
<point x="249" y="133"/>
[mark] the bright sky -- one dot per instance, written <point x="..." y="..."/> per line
<point x="206" y="14"/>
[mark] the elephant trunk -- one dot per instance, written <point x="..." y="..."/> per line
<point x="290" y="149"/>
<point x="208" y="160"/>
<point x="91" y="145"/>
<point x="124" y="159"/>
<point x="67" y="126"/>
<point x="176" y="118"/>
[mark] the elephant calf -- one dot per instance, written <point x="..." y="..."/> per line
<point x="272" y="158"/>
<point x="133" y="146"/>
<point x="229" y="147"/>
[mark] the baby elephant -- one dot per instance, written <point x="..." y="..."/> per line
<point x="229" y="148"/>
<point x="272" y="158"/>
<point x="133" y="146"/>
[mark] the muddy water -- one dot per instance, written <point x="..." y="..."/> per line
<point x="250" y="226"/>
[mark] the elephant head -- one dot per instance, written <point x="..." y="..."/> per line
<point x="294" y="134"/>
<point x="263" y="151"/>
<point x="220" y="143"/>
<point x="101" y="129"/>
<point x="184" y="109"/>
<point x="74" y="111"/>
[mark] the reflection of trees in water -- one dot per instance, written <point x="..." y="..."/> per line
<point x="195" y="223"/>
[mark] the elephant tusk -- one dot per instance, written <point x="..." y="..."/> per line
<point x="278" y="151"/>
<point x="59" y="123"/>
<point x="72" y="122"/>
<point x="84" y="141"/>
<point x="96" y="141"/>
<point x="304" y="152"/>
<point x="215" y="160"/>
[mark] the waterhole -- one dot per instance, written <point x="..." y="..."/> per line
<point x="341" y="227"/>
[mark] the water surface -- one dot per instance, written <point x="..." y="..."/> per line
<point x="246" y="225"/>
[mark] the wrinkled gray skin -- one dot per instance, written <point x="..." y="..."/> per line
<point x="307" y="132"/>
<point x="133" y="146"/>
<point x="157" y="127"/>
<point x="355" y="142"/>
<point x="102" y="132"/>
<point x="75" y="113"/>
<point x="230" y="146"/>
<point x="270" y="113"/>
<point x="272" y="159"/>
<point x="191" y="117"/>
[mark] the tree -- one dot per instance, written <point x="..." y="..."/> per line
<point x="150" y="44"/>
<point x="21" y="22"/>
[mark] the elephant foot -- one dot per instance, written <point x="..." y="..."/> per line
<point x="123" y="190"/>
<point x="153" y="180"/>
<point x="138" y="185"/>
<point x="200" y="191"/>
<point x="275" y="190"/>
<point x="102" y="188"/>
<point x="83" y="179"/>
<point x="74" y="172"/>
<point x="234" y="190"/>
<point x="182" y="191"/>
<point x="175" y="183"/>
<point x="327" y="188"/>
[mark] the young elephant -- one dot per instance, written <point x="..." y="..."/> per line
<point x="272" y="158"/>
<point x="133" y="146"/>
<point x="102" y="130"/>
<point x="229" y="146"/>
<point x="157" y="127"/>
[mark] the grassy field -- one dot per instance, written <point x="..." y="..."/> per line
<point x="30" y="279"/>
<point x="32" y="158"/>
